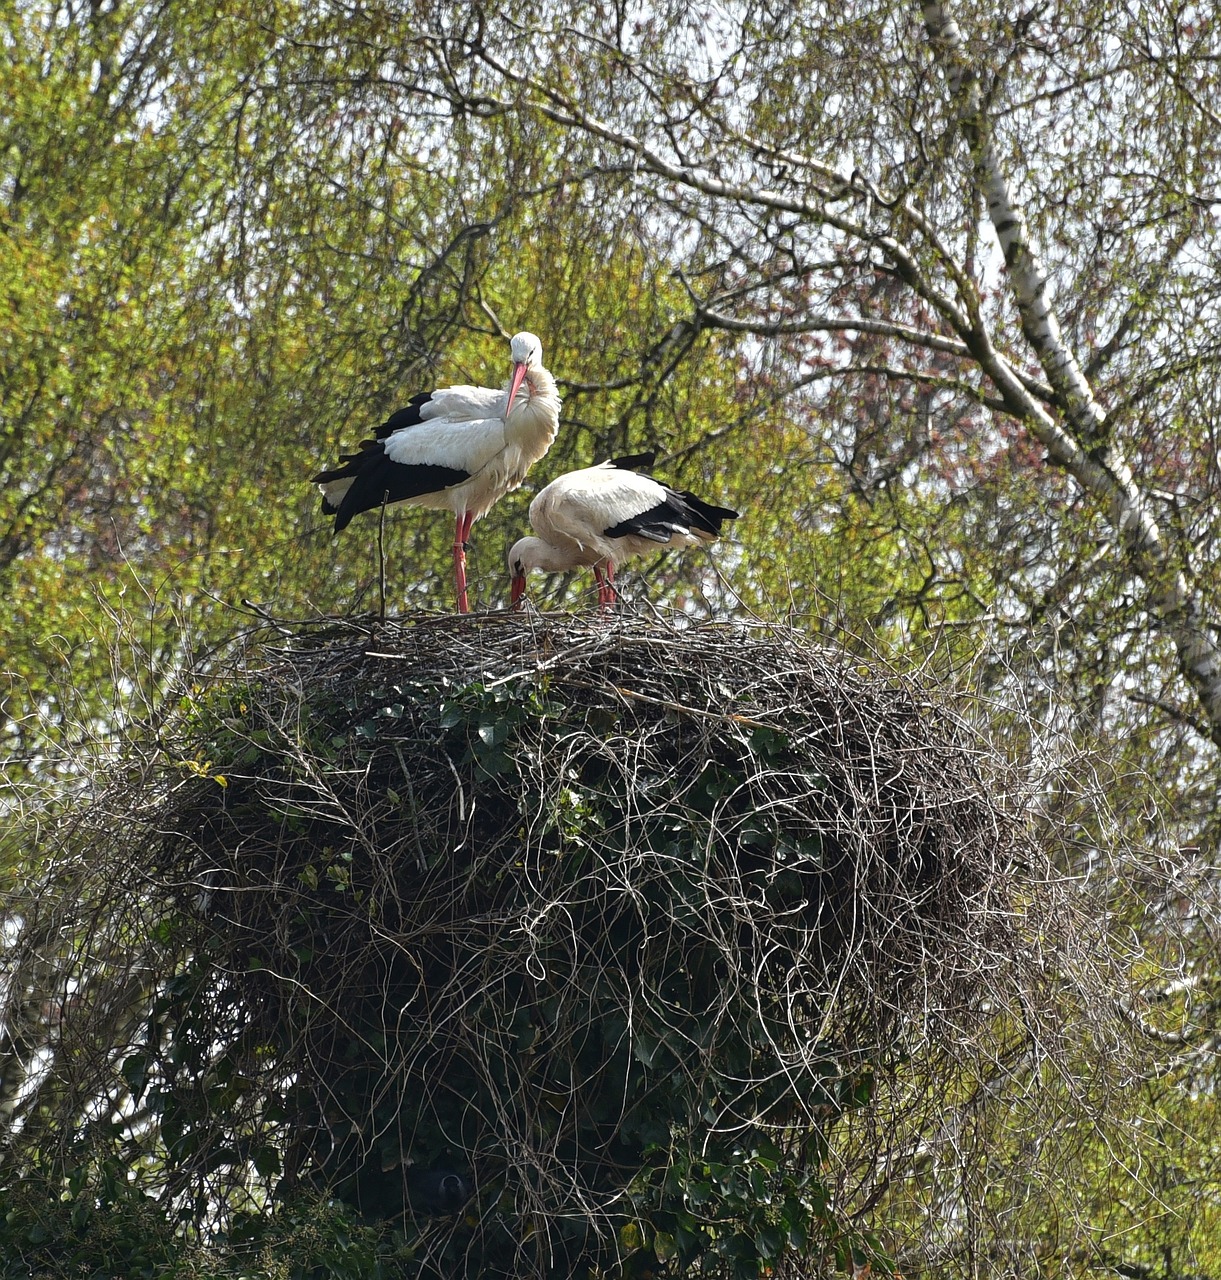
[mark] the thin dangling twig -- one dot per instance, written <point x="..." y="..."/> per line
<point x="381" y="557"/>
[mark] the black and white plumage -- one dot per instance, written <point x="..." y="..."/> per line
<point x="600" y="515"/>
<point x="458" y="449"/>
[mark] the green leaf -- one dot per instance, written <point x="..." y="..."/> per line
<point x="630" y="1237"/>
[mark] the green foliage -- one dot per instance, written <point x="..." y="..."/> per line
<point x="104" y="1227"/>
<point x="99" y="1225"/>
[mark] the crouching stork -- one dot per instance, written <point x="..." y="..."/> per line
<point x="599" y="516"/>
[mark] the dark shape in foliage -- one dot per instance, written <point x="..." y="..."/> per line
<point x="438" y="1190"/>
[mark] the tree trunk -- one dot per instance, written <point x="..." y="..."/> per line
<point x="1082" y="445"/>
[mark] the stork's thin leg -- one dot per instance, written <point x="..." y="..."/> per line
<point x="610" y="584"/>
<point x="600" y="579"/>
<point x="461" y="528"/>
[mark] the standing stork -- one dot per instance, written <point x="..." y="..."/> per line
<point x="458" y="449"/>
<point x="603" y="514"/>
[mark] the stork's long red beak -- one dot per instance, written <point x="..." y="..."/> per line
<point x="516" y="590"/>
<point x="519" y="374"/>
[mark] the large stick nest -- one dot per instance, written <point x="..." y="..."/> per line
<point x="561" y="905"/>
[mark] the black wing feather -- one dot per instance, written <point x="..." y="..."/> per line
<point x="679" y="512"/>
<point x="408" y="416"/>
<point x="377" y="478"/>
<point x="705" y="515"/>
<point x="635" y="461"/>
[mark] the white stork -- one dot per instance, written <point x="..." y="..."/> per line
<point x="601" y="515"/>
<point x="458" y="449"/>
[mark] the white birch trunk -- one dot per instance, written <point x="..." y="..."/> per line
<point x="1082" y="446"/>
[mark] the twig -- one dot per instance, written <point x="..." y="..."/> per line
<point x="381" y="558"/>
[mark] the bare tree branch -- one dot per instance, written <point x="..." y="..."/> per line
<point x="1083" y="449"/>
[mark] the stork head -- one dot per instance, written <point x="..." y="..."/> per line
<point x="533" y="553"/>
<point x="527" y="353"/>
<point x="525" y="348"/>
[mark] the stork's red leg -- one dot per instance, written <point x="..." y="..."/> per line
<point x="461" y="528"/>
<point x="606" y="592"/>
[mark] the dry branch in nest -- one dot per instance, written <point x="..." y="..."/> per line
<point x="612" y="922"/>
